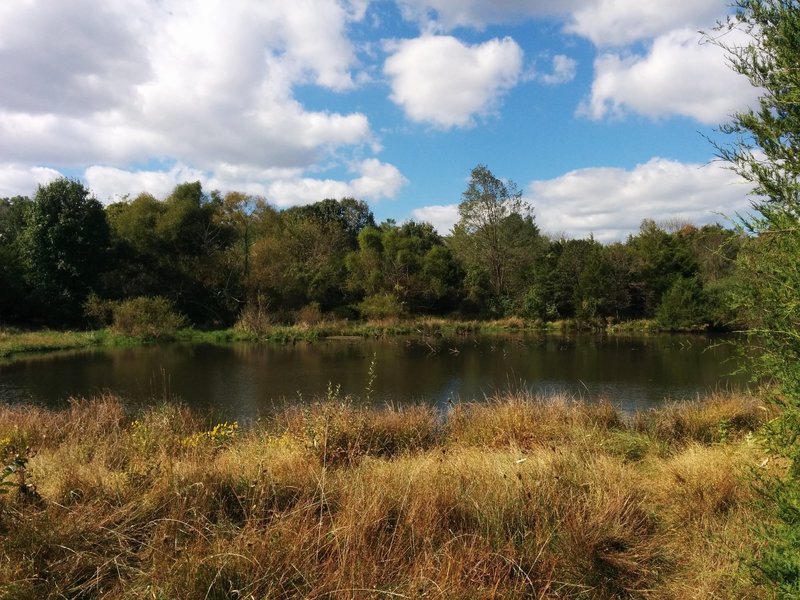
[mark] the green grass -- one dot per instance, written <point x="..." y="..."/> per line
<point x="16" y="341"/>
<point x="520" y="497"/>
<point x="19" y="341"/>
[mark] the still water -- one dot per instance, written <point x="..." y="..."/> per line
<point x="241" y="381"/>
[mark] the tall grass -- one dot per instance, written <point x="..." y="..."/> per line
<point x="520" y="497"/>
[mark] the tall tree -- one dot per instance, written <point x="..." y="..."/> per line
<point x="409" y="262"/>
<point x="65" y="247"/>
<point x="300" y="259"/>
<point x="495" y="236"/>
<point x="178" y="248"/>
<point x="766" y="152"/>
<point x="14" y="305"/>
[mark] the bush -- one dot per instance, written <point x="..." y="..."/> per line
<point x="99" y="312"/>
<point x="683" y="306"/>
<point x="381" y="306"/>
<point x="309" y="315"/>
<point x="151" y="317"/>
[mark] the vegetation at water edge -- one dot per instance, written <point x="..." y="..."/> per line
<point x="520" y="497"/>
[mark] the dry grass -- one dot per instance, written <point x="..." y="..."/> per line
<point x="521" y="497"/>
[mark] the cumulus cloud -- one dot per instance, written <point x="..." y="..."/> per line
<point x="378" y="180"/>
<point x="16" y="180"/>
<point x="110" y="184"/>
<point x="563" y="71"/>
<point x="49" y="61"/>
<point x="201" y="83"/>
<point x="373" y="181"/>
<point x="449" y="14"/>
<point x="610" y="203"/>
<point x="604" y="22"/>
<point x="442" y="81"/>
<point x="620" y="22"/>
<point x="443" y="217"/>
<point x="678" y="76"/>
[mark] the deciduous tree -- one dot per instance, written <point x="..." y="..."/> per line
<point x="495" y="238"/>
<point x="64" y="247"/>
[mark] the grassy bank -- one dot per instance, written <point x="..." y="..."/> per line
<point x="17" y="341"/>
<point x="520" y="497"/>
<point x="14" y="341"/>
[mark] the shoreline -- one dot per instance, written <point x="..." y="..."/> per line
<point x="16" y="341"/>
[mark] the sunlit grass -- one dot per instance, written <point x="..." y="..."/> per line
<point x="14" y="341"/>
<point x="520" y="497"/>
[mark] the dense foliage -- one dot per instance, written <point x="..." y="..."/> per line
<point x="765" y="152"/>
<point x="221" y="259"/>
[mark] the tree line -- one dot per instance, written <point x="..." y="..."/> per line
<point x="219" y="259"/>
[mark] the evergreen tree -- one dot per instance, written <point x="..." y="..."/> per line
<point x="766" y="153"/>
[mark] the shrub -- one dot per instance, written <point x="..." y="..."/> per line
<point x="99" y="312"/>
<point x="151" y="317"/>
<point x="381" y="306"/>
<point x="309" y="315"/>
<point x="683" y="306"/>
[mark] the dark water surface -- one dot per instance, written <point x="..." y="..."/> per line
<point x="241" y="381"/>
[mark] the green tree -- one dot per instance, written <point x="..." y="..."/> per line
<point x="299" y="256"/>
<point x="409" y="262"/>
<point x="65" y="248"/>
<point x="684" y="305"/>
<point x="178" y="248"/>
<point x="139" y="262"/>
<point x="765" y="152"/>
<point x="660" y="258"/>
<point x="496" y="239"/>
<point x="14" y="305"/>
<point x="350" y="214"/>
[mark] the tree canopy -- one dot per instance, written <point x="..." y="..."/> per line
<point x="64" y="246"/>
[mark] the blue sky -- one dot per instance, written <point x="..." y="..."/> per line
<point x="597" y="109"/>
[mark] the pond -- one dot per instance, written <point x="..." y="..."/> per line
<point x="242" y="381"/>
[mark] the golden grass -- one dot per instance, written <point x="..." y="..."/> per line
<point x="520" y="497"/>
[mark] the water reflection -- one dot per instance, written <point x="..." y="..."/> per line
<point x="244" y="380"/>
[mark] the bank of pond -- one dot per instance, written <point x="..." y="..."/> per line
<point x="517" y="496"/>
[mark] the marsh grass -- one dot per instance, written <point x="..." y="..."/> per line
<point x="310" y="327"/>
<point x="518" y="497"/>
<point x="13" y="341"/>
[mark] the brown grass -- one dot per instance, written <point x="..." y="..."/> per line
<point x="520" y="497"/>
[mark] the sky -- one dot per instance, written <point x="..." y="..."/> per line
<point x="601" y="111"/>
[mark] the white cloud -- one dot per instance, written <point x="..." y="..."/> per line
<point x="564" y="69"/>
<point x="378" y="180"/>
<point x="204" y="84"/>
<point x="282" y="187"/>
<point x="16" y="180"/>
<point x="604" y="22"/>
<point x="611" y="203"/>
<point x="449" y="14"/>
<point x="678" y="76"/>
<point x="49" y="58"/>
<point x="620" y="22"/>
<point x="110" y="184"/>
<point x="440" y="80"/>
<point x="442" y="217"/>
